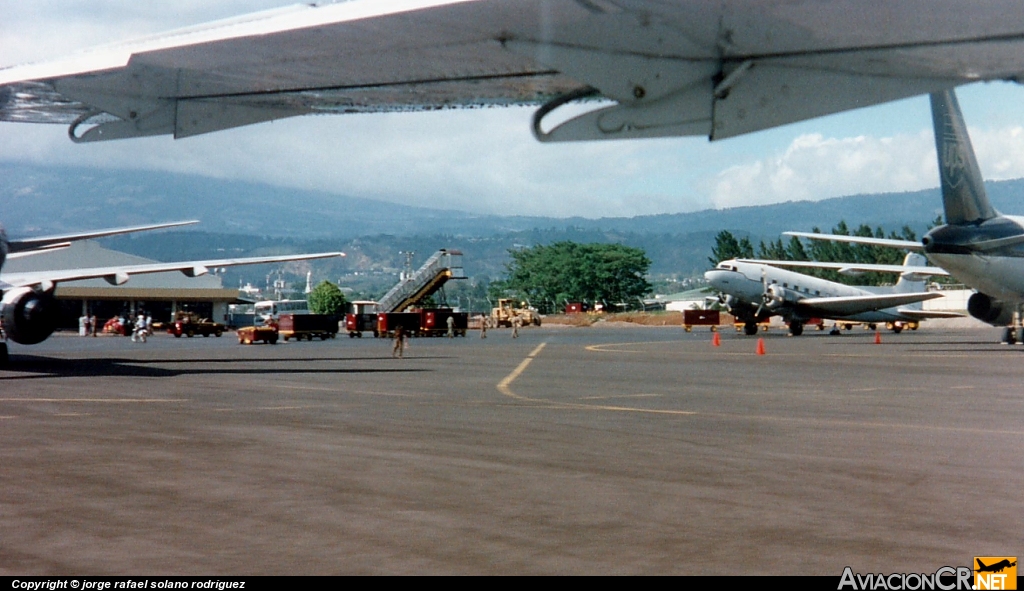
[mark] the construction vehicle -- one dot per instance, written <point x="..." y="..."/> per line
<point x="506" y="311"/>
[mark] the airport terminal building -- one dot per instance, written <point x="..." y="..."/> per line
<point x="158" y="294"/>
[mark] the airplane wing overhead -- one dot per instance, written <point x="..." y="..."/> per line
<point x="850" y="305"/>
<point x="120" y="275"/>
<point x="663" y="67"/>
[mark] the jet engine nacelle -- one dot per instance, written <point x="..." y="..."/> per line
<point x="29" y="317"/>
<point x="989" y="310"/>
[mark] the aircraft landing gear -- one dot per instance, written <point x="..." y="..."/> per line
<point x="796" y="328"/>
<point x="750" y="328"/>
<point x="1014" y="334"/>
<point x="4" y="358"/>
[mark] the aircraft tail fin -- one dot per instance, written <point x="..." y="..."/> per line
<point x="963" y="191"/>
<point x="912" y="282"/>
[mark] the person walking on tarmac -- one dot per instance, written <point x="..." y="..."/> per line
<point x="399" y="346"/>
<point x="451" y="327"/>
<point x="483" y="326"/>
<point x="516" y="323"/>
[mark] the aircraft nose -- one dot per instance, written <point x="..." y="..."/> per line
<point x="716" y="278"/>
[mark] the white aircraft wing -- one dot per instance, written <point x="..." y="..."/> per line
<point x="120" y="275"/>
<point x="850" y="305"/>
<point x="855" y="268"/>
<point x="715" y="68"/>
<point x="924" y="314"/>
<point x="887" y="242"/>
<point x="47" y="243"/>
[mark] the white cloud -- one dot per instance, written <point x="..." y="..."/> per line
<point x="814" y="167"/>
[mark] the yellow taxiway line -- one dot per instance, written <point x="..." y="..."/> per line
<point x="504" y="386"/>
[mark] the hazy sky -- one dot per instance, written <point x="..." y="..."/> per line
<point x="486" y="160"/>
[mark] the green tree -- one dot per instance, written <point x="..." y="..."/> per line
<point x="728" y="247"/>
<point x="327" y="298"/>
<point x="547" y="276"/>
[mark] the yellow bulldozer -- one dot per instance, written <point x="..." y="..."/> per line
<point x="507" y="310"/>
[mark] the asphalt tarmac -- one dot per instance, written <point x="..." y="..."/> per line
<point x="601" y="450"/>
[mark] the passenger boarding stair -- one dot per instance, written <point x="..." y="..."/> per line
<point x="439" y="268"/>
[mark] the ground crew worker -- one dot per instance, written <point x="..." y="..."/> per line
<point x="516" y="323"/>
<point x="451" y="327"/>
<point x="483" y="326"/>
<point x="399" y="346"/>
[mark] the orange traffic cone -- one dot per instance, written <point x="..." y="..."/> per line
<point x="878" y="338"/>
<point x="716" y="340"/>
<point x="760" y="346"/>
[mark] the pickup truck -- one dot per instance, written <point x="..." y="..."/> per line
<point x="190" y="324"/>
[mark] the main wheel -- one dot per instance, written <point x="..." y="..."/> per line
<point x="796" y="328"/>
<point x="218" y="333"/>
<point x="750" y="328"/>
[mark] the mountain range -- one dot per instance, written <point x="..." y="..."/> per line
<point x="247" y="218"/>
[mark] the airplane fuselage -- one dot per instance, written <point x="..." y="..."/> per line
<point x="747" y="283"/>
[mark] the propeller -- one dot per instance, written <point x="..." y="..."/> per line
<point x="765" y="298"/>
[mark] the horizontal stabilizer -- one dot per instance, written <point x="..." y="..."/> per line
<point x="887" y="242"/>
<point x="856" y="268"/>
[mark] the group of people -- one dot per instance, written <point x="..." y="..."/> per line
<point x="88" y="325"/>
<point x="140" y="328"/>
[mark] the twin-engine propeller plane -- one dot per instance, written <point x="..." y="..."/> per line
<point x="977" y="245"/>
<point x="28" y="310"/>
<point x="755" y="290"/>
<point x="653" y="68"/>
